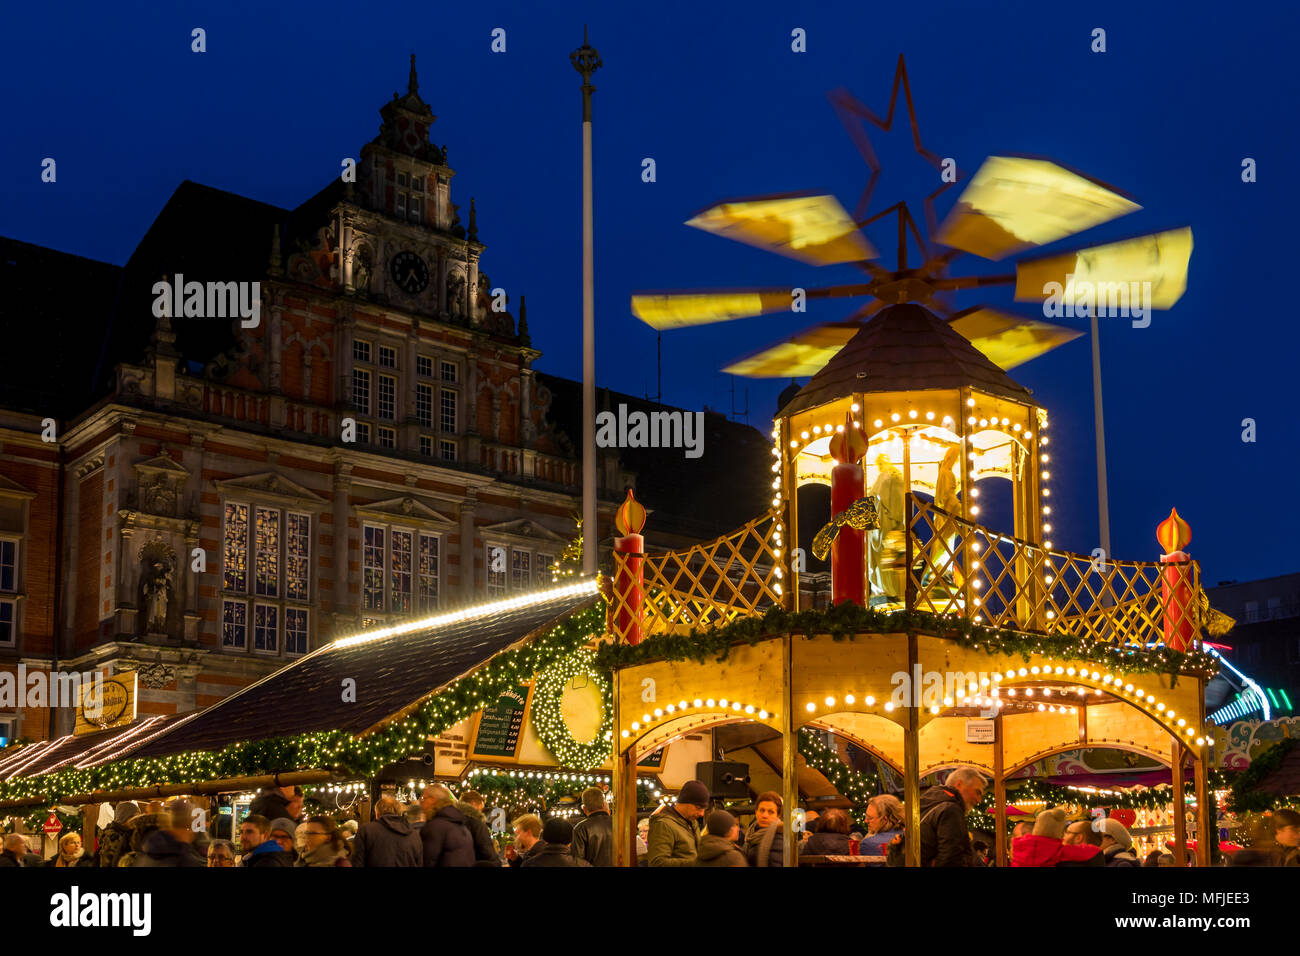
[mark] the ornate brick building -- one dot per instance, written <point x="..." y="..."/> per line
<point x="198" y="498"/>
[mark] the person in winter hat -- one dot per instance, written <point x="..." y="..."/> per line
<point x="675" y="830"/>
<point x="285" y="832"/>
<point x="1044" y="846"/>
<point x="259" y="849"/>
<point x="1116" y="844"/>
<point x="143" y="826"/>
<point x="557" y="834"/>
<point x="718" y="845"/>
<point x="389" y="839"/>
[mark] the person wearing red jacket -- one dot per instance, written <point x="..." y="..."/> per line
<point x="1043" y="847"/>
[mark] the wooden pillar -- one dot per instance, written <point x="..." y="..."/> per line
<point x="999" y="796"/>
<point x="964" y="432"/>
<point x="912" y="768"/>
<point x="89" y="817"/>
<point x="789" y="754"/>
<point x="790" y="492"/>
<point x="1180" y="804"/>
<point x="1207" y="835"/>
<point x="623" y="782"/>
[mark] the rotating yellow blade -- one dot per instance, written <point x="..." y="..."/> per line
<point x="1015" y="203"/>
<point x="1006" y="339"/>
<point x="674" y="310"/>
<point x="812" y="229"/>
<point x="805" y="353"/>
<point x="1116" y="271"/>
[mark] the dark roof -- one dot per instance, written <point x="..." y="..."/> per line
<point x="904" y="348"/>
<point x="46" y="756"/>
<point x="55" y="305"/>
<point x="390" y="673"/>
<point x="1285" y="780"/>
<point x="728" y="485"/>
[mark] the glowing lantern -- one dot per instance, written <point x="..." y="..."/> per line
<point x="1176" y="582"/>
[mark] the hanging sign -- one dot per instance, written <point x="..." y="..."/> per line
<point x="500" y="724"/>
<point x="52" y="825"/>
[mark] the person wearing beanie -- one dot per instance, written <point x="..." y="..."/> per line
<point x="593" y="837"/>
<point x="116" y="838"/>
<point x="258" y="847"/>
<point x="718" y="845"/>
<point x="557" y="834"/>
<point x="1044" y="846"/>
<point x="675" y="831"/>
<point x="1116" y="844"/>
<point x="284" y="831"/>
<point x="173" y="843"/>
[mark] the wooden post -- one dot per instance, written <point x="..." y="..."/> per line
<point x="1180" y="804"/>
<point x="89" y="818"/>
<point x="912" y="767"/>
<point x="999" y="796"/>
<point x="790" y="492"/>
<point x="789" y="754"/>
<point x="623" y="782"/>
<point x="1207" y="835"/>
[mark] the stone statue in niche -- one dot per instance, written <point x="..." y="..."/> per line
<point x="157" y="585"/>
<point x="456" y="293"/>
<point x="361" y="269"/>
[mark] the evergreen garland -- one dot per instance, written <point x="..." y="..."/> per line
<point x="846" y="621"/>
<point x="335" y="750"/>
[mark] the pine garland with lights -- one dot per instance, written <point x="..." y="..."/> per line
<point x="331" y="749"/>
<point x="846" y="621"/>
<point x="548" y="691"/>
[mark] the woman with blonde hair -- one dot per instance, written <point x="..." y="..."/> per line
<point x="884" y="823"/>
<point x="70" y="852"/>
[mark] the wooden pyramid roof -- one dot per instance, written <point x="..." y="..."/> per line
<point x="904" y="348"/>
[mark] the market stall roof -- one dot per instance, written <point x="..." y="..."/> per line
<point x="392" y="671"/>
<point x="46" y="756"/>
<point x="1284" y="780"/>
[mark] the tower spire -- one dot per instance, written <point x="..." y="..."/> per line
<point x="413" y="84"/>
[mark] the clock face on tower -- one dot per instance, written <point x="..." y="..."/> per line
<point x="409" y="272"/>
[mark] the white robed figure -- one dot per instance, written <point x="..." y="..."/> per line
<point x="885" y="542"/>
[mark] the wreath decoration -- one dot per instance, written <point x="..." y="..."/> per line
<point x="549" y="721"/>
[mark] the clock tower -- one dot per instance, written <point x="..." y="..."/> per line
<point x="403" y="243"/>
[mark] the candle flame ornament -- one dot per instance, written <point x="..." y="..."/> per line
<point x="850" y="445"/>
<point x="630" y="516"/>
<point x="1173" y="533"/>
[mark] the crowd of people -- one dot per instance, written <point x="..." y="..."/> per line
<point x="442" y="831"/>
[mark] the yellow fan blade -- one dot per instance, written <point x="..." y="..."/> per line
<point x="1115" y="272"/>
<point x="1008" y="340"/>
<point x="1016" y="203"/>
<point x="674" y="310"/>
<point x="804" y="354"/>
<point x="812" y="229"/>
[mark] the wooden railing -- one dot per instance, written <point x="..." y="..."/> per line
<point x="952" y="567"/>
<point x="957" y="567"/>
<point x="736" y="575"/>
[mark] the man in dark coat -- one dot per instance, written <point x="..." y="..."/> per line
<point x="276" y="802"/>
<point x="15" y="848"/>
<point x="259" y="849"/>
<point x="447" y="841"/>
<point x="593" y="837"/>
<point x="675" y="831"/>
<point x="718" y="844"/>
<point x="528" y="839"/>
<point x="471" y="805"/>
<point x="557" y="834"/>
<point x="388" y="840"/>
<point x="945" y="840"/>
<point x="173" y="846"/>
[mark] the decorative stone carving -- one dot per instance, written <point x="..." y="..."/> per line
<point x="154" y="675"/>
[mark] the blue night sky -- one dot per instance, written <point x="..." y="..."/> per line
<point x="714" y="94"/>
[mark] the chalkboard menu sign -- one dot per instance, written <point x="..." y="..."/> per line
<point x="500" y="724"/>
<point x="655" y="760"/>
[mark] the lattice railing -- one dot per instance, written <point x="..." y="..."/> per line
<point x="957" y="567"/>
<point x="736" y="575"/>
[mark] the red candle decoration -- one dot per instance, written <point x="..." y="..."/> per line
<point x="848" y="484"/>
<point x="1174" y="534"/>
<point x="629" y="581"/>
